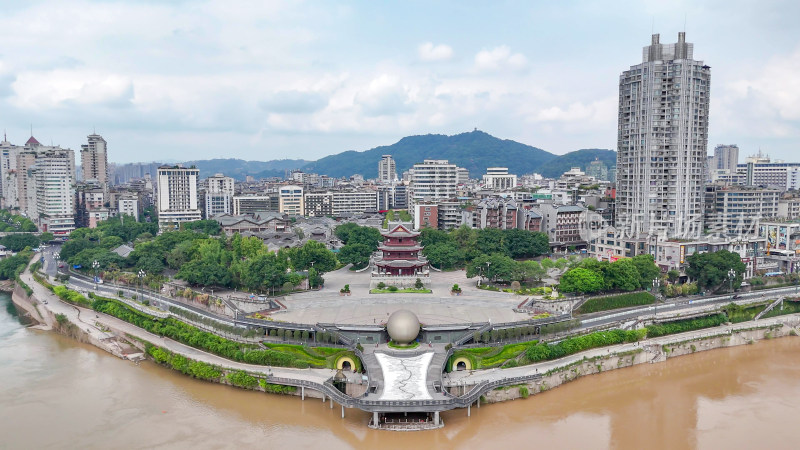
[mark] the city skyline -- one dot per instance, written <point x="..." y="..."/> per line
<point x="310" y="80"/>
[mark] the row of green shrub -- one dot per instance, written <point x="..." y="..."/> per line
<point x="682" y="326"/>
<point x="195" y="369"/>
<point x="70" y="296"/>
<point x="193" y="337"/>
<point x="616" y="301"/>
<point x="204" y="371"/>
<point x="544" y="351"/>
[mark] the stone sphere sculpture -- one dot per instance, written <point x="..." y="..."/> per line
<point x="403" y="326"/>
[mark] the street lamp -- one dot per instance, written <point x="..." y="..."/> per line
<point x="141" y="275"/>
<point x="656" y="286"/>
<point x="488" y="263"/>
<point x="731" y="275"/>
<point x="309" y="276"/>
<point x="95" y="266"/>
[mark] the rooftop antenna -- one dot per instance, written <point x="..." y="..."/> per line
<point x="653" y="25"/>
<point x="685" y="15"/>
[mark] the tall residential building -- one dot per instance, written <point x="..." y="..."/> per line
<point x="52" y="180"/>
<point x="219" y="195"/>
<point x="726" y="157"/>
<point x="498" y="178"/>
<point x="598" y="170"/>
<point x="433" y="180"/>
<point x="387" y="170"/>
<point x="94" y="160"/>
<point x="662" y="142"/>
<point x="177" y="196"/>
<point x="291" y="200"/>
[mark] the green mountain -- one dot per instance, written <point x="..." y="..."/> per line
<point x="474" y="151"/>
<point x="579" y="158"/>
<point x="239" y="168"/>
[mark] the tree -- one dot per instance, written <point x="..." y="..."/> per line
<point x="324" y="260"/>
<point x="531" y="270"/>
<point x="622" y="275"/>
<point x="355" y="254"/>
<point x="490" y="240"/>
<point x="525" y="244"/>
<point x="500" y="267"/>
<point x="210" y="227"/>
<point x="430" y="236"/>
<point x="46" y="236"/>
<point x="17" y="242"/>
<point x="647" y="268"/>
<point x="710" y="270"/>
<point x="74" y="246"/>
<point x="673" y="275"/>
<point x="263" y="272"/>
<point x="581" y="280"/>
<point x="443" y="255"/>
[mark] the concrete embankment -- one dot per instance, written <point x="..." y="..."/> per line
<point x="650" y="352"/>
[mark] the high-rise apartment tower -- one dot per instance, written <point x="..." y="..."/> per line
<point x="662" y="142"/>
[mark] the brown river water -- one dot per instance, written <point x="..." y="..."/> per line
<point x="57" y="393"/>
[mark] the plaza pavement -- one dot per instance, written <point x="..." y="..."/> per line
<point x="361" y="307"/>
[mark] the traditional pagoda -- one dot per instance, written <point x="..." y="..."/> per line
<point x="400" y="263"/>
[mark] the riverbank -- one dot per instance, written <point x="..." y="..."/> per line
<point x="649" y="351"/>
<point x="127" y="341"/>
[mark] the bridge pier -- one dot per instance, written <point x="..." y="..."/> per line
<point x="469" y="409"/>
<point x="375" y="419"/>
<point x="331" y="402"/>
<point x="323" y="397"/>
<point x="342" y="411"/>
<point x="436" y="418"/>
<point x="302" y="392"/>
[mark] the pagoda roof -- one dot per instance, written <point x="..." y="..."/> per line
<point x="400" y="231"/>
<point x="400" y="263"/>
<point x="400" y="248"/>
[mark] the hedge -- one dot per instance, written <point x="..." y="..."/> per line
<point x="616" y="301"/>
<point x="544" y="351"/>
<point x="681" y="326"/>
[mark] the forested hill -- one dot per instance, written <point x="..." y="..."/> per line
<point x="475" y="151"/>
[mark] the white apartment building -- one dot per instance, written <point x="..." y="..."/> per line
<point x="737" y="210"/>
<point x="498" y="178"/>
<point x="777" y="175"/>
<point x="94" y="160"/>
<point x="432" y="180"/>
<point x="52" y="180"/>
<point x="129" y="205"/>
<point x="219" y="195"/>
<point x="662" y="142"/>
<point x="291" y="200"/>
<point x="177" y="196"/>
<point x="387" y="170"/>
<point x="336" y="203"/>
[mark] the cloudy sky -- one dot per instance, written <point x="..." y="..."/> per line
<point x="268" y="79"/>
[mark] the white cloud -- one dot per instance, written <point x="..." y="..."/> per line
<point x="499" y="58"/>
<point x="430" y="52"/>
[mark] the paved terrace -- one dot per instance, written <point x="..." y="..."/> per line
<point x="362" y="308"/>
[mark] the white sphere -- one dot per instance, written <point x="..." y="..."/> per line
<point x="403" y="326"/>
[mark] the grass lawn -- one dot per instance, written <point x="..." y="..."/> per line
<point x="401" y="291"/>
<point x="393" y="344"/>
<point x="616" y="301"/>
